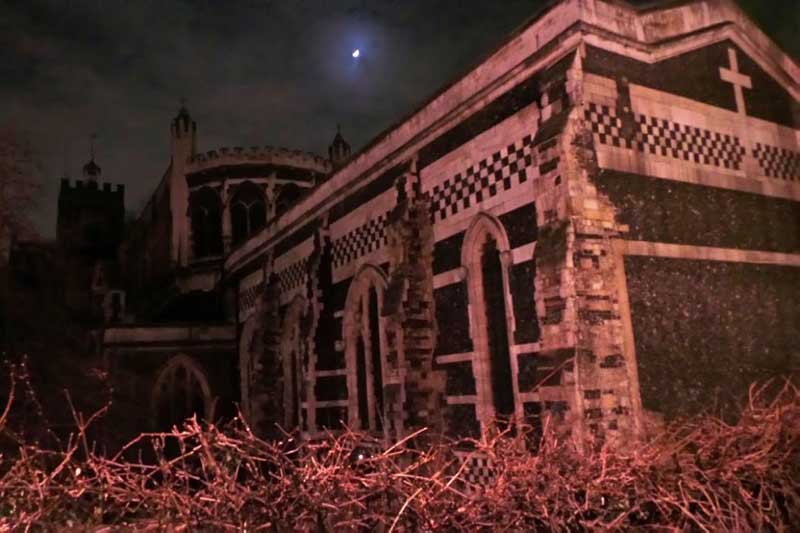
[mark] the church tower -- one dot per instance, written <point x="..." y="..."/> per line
<point x="90" y="227"/>
<point x="339" y="150"/>
<point x="90" y="213"/>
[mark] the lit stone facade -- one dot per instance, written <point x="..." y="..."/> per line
<point x="528" y="243"/>
<point x="599" y="225"/>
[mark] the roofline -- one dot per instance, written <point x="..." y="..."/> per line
<point x="461" y="75"/>
<point x="649" y="7"/>
<point x="579" y="11"/>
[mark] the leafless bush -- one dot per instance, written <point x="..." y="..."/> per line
<point x="699" y="475"/>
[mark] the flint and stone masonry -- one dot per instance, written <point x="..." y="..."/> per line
<point x="598" y="226"/>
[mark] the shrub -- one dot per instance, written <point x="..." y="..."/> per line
<point x="700" y="474"/>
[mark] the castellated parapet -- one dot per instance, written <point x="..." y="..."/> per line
<point x="268" y="155"/>
<point x="90" y="187"/>
<point x="90" y="214"/>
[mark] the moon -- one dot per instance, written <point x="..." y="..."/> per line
<point x="356" y="53"/>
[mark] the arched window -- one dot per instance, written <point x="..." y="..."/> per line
<point x="206" y="213"/>
<point x="365" y="347"/>
<point x="181" y="391"/>
<point x="485" y="254"/>
<point x="291" y="352"/>
<point x="287" y="196"/>
<point x="248" y="211"/>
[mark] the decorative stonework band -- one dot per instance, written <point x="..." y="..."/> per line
<point x="292" y="276"/>
<point x="360" y="241"/>
<point x="485" y="179"/>
<point x="666" y="138"/>
<point x="778" y="162"/>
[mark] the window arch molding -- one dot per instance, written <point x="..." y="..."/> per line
<point x="166" y="384"/>
<point x="365" y="403"/>
<point x="205" y="208"/>
<point x="247" y="205"/>
<point x="483" y="230"/>
<point x="291" y="357"/>
<point x="288" y="194"/>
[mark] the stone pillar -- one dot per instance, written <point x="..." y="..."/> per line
<point x="227" y="237"/>
<point x="271" y="196"/>
<point x="417" y="400"/>
<point x="315" y="327"/>
<point x="606" y="391"/>
<point x="266" y="382"/>
<point x="580" y="288"/>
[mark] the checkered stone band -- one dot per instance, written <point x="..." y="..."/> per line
<point x="360" y="241"/>
<point x="478" y="473"/>
<point x="777" y="162"/>
<point x="485" y="179"/>
<point x="293" y="275"/>
<point x="666" y="138"/>
<point x="249" y="297"/>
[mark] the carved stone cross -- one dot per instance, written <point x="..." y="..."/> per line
<point x="739" y="80"/>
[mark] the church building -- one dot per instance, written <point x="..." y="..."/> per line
<point x="599" y="225"/>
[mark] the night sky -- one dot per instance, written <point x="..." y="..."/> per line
<point x="254" y="72"/>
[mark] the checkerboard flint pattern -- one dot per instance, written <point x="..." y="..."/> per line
<point x="778" y="162"/>
<point x="248" y="297"/>
<point x="478" y="473"/>
<point x="360" y="241"/>
<point x="293" y="275"/>
<point x="666" y="138"/>
<point x="485" y="179"/>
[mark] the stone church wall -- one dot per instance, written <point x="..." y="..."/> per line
<point x="550" y="211"/>
<point x="482" y="167"/>
<point x="702" y="167"/>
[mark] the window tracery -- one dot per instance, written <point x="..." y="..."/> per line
<point x="248" y="210"/>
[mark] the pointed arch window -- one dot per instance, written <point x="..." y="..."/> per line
<point x="248" y="211"/>
<point x="206" y="214"/>
<point x="291" y="355"/>
<point x="288" y="195"/>
<point x="365" y="347"/>
<point x="181" y="391"/>
<point x="486" y="254"/>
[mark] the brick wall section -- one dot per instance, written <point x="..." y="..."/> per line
<point x="576" y="292"/>
<point x="605" y="392"/>
<point x="409" y="312"/>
